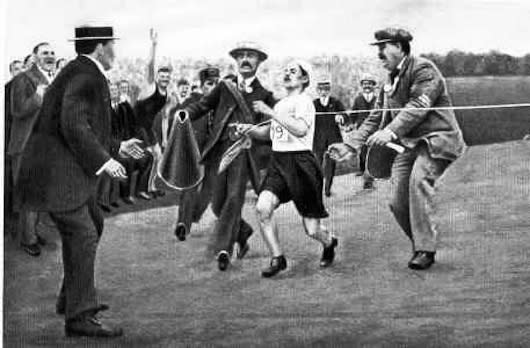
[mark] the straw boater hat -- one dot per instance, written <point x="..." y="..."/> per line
<point x="249" y="46"/>
<point x="86" y="33"/>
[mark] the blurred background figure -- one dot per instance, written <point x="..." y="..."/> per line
<point x="27" y="93"/>
<point x="365" y="100"/>
<point x="327" y="130"/>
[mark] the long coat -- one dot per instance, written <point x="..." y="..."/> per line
<point x="226" y="110"/>
<point x="25" y="104"/>
<point x="419" y="85"/>
<point x="71" y="140"/>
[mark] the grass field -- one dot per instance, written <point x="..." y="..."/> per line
<point x="491" y="125"/>
<point x="170" y="294"/>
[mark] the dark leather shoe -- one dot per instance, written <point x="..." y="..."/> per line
<point x="278" y="264"/>
<point x="159" y="193"/>
<point x="90" y="326"/>
<point x="422" y="260"/>
<point x="31" y="249"/>
<point x="181" y="231"/>
<point x="223" y="260"/>
<point x="144" y="195"/>
<point x="328" y="254"/>
<point x="115" y="204"/>
<point x="41" y="240"/>
<point x="128" y="200"/>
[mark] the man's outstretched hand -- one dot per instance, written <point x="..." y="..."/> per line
<point x="131" y="148"/>
<point x="340" y="152"/>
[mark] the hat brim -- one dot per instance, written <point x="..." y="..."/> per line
<point x="380" y="42"/>
<point x="262" y="55"/>
<point x="91" y="38"/>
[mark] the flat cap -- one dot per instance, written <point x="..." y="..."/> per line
<point x="249" y="46"/>
<point x="209" y="73"/>
<point x="391" y="35"/>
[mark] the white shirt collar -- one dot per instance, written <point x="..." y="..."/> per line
<point x="324" y="101"/>
<point x="98" y="64"/>
<point x="368" y="96"/>
<point x="248" y="81"/>
<point x="400" y="65"/>
<point x="46" y="74"/>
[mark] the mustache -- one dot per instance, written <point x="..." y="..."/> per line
<point x="246" y="65"/>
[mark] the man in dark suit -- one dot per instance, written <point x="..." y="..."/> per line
<point x="432" y="138"/>
<point x="126" y="127"/>
<point x="193" y="204"/>
<point x="327" y="131"/>
<point x="365" y="100"/>
<point x="233" y="104"/>
<point x="70" y="147"/>
<point x="26" y="98"/>
<point x="15" y="68"/>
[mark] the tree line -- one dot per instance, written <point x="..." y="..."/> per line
<point x="459" y="63"/>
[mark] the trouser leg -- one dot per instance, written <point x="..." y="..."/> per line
<point x="425" y="172"/>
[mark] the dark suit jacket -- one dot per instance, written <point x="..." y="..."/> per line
<point x="420" y="85"/>
<point x="359" y="103"/>
<point x="71" y="140"/>
<point x="25" y="105"/>
<point x="226" y="111"/>
<point x="326" y="129"/>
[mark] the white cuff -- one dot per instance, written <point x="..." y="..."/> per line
<point x="103" y="167"/>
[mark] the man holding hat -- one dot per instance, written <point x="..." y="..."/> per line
<point x="432" y="138"/>
<point x="327" y="130"/>
<point x="365" y="100"/>
<point x="193" y="204"/>
<point x="70" y="147"/>
<point x="232" y="104"/>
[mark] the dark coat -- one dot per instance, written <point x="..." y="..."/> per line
<point x="419" y="85"/>
<point x="326" y="129"/>
<point x="71" y="140"/>
<point x="360" y="103"/>
<point x="25" y="104"/>
<point x="226" y="111"/>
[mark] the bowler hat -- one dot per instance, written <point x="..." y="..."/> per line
<point x="93" y="33"/>
<point x="249" y="46"/>
<point x="391" y="35"/>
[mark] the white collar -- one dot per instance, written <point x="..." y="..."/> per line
<point x="400" y="65"/>
<point x="45" y="73"/>
<point x="248" y="81"/>
<point x="368" y="96"/>
<point x="98" y="64"/>
<point x="324" y="101"/>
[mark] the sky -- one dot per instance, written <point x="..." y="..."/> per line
<point x="210" y="28"/>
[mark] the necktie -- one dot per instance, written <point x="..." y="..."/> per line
<point x="393" y="75"/>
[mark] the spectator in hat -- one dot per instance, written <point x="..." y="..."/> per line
<point x="231" y="104"/>
<point x="70" y="147"/>
<point x="432" y="138"/>
<point x="327" y="130"/>
<point x="365" y="100"/>
<point x="29" y="61"/>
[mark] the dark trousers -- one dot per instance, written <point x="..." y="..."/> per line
<point x="227" y="202"/>
<point x="326" y="163"/>
<point x="25" y="221"/>
<point x="367" y="178"/>
<point x="194" y="203"/>
<point x="80" y="231"/>
<point x="143" y="166"/>
<point x="107" y="190"/>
